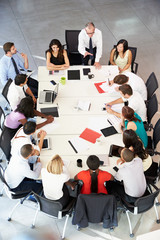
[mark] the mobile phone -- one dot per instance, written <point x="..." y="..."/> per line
<point x="103" y="109"/>
<point x="56" y="71"/>
<point x="115" y="150"/>
<point x="53" y="82"/>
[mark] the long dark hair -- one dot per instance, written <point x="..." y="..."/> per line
<point x="59" y="45"/>
<point x="130" y="138"/>
<point x="26" y="107"/>
<point x="125" y="47"/>
<point x="128" y="113"/>
<point x="93" y="163"/>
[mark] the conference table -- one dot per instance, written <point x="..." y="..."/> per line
<point x="72" y="121"/>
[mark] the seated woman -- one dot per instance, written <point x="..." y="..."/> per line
<point x="25" y="109"/>
<point x="131" y="120"/>
<point x="132" y="141"/>
<point x="121" y="56"/>
<point x="93" y="178"/>
<point x="57" y="58"/>
<point x="54" y="180"/>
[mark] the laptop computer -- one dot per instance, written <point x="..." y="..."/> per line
<point x="48" y="96"/>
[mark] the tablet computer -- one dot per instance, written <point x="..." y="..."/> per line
<point x="46" y="143"/>
<point x="115" y="150"/>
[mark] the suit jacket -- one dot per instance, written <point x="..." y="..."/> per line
<point x="95" y="208"/>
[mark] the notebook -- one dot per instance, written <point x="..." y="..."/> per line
<point x="50" y="111"/>
<point x="47" y="96"/>
<point x="73" y="74"/>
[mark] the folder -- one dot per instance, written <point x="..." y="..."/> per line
<point x="97" y="85"/>
<point x="109" y="131"/>
<point x="90" y="135"/>
<point x="73" y="74"/>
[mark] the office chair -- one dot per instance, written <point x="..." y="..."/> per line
<point x="21" y="195"/>
<point x="134" y="65"/>
<point x="5" y="92"/>
<point x="153" y="141"/>
<point x="54" y="208"/>
<point x="152" y="108"/>
<point x="2" y="118"/>
<point x="5" y="143"/>
<point x="152" y="85"/>
<point x="71" y="37"/>
<point x="141" y="205"/>
<point x="95" y="208"/>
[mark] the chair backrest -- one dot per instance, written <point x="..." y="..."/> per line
<point x="47" y="206"/>
<point x="156" y="134"/>
<point x="5" y="142"/>
<point x="134" y="53"/>
<point x="71" y="37"/>
<point x="2" y="118"/>
<point x="152" y="107"/>
<point x="151" y="84"/>
<point x="143" y="204"/>
<point x="5" y="89"/>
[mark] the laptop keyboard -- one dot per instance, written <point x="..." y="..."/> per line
<point x="48" y="97"/>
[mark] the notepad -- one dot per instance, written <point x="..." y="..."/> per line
<point x="90" y="135"/>
<point x="73" y="74"/>
<point x="109" y="131"/>
<point x="50" y="111"/>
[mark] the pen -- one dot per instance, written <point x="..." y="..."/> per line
<point x="108" y="82"/>
<point x="45" y="90"/>
<point x="57" y="105"/>
<point x="109" y="121"/>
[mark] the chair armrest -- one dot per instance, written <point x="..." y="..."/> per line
<point x="135" y="66"/>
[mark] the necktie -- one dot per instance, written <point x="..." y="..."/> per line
<point x="90" y="48"/>
<point x="15" y="65"/>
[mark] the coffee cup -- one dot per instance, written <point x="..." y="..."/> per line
<point x="79" y="162"/>
<point x="63" y="80"/>
<point x="90" y="75"/>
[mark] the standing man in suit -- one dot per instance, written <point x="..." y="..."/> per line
<point x="90" y="45"/>
<point x="12" y="63"/>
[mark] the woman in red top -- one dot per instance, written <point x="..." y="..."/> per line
<point x="93" y="178"/>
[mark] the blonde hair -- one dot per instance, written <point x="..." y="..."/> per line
<point x="55" y="165"/>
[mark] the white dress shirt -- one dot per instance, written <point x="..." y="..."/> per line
<point x="19" y="140"/>
<point x="16" y="94"/>
<point x="53" y="183"/>
<point x="18" y="169"/>
<point x="137" y="84"/>
<point x="136" y="102"/>
<point x="83" y="42"/>
<point x="133" y="177"/>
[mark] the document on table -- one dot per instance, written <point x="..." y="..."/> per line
<point x="83" y="105"/>
<point x="104" y="158"/>
<point x="117" y="107"/>
<point x="98" y="123"/>
<point x="79" y="144"/>
<point x="54" y="125"/>
<point x="107" y="88"/>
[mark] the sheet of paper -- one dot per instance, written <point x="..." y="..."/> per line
<point x="117" y="107"/>
<point x="97" y="123"/>
<point x="83" y="105"/>
<point x="79" y="144"/>
<point x="104" y="158"/>
<point x="54" y="125"/>
<point x="106" y="88"/>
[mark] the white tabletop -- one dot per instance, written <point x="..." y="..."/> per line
<point x="72" y="122"/>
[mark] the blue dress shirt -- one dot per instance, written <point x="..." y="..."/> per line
<point x="7" y="69"/>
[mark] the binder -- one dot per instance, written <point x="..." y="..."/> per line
<point x="98" y="86"/>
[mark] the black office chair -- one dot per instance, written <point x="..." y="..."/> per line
<point x="55" y="209"/>
<point x="5" y="142"/>
<point x="141" y="205"/>
<point x="153" y="141"/>
<point x="134" y="65"/>
<point x="95" y="208"/>
<point x="5" y="92"/>
<point x="152" y="85"/>
<point x="21" y="195"/>
<point x="2" y="118"/>
<point x="152" y="108"/>
<point x="71" y="37"/>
